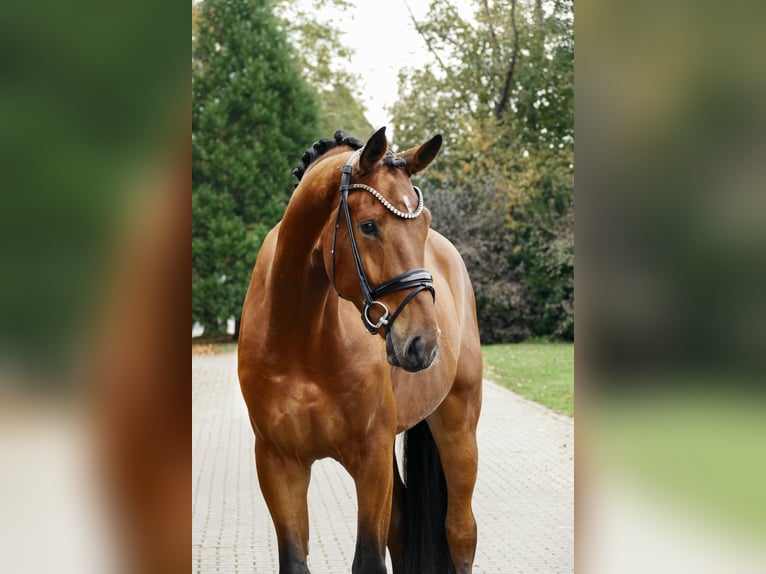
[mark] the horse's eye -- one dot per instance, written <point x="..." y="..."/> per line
<point x="369" y="227"/>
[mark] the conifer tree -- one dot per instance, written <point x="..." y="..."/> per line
<point x="252" y="117"/>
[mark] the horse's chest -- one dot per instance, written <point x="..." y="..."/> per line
<point x="303" y="416"/>
<point x="417" y="395"/>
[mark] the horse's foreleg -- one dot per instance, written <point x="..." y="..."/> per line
<point x="453" y="426"/>
<point x="284" y="483"/>
<point x="373" y="475"/>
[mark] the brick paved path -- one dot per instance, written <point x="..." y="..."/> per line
<point x="524" y="500"/>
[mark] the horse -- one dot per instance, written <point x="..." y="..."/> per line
<point x="327" y="369"/>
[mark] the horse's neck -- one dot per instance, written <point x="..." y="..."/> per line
<point x="299" y="288"/>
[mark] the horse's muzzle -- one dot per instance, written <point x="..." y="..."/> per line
<point x="417" y="354"/>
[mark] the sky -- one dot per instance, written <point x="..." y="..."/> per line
<point x="384" y="41"/>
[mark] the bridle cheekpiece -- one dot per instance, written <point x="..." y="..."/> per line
<point x="415" y="280"/>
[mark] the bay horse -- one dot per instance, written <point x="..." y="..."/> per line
<point x="317" y="384"/>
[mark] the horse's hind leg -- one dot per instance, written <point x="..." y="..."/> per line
<point x="395" y="532"/>
<point x="284" y="483"/>
<point x="453" y="426"/>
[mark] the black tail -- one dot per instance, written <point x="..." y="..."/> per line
<point x="425" y="507"/>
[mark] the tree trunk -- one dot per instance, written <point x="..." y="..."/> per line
<point x="505" y="96"/>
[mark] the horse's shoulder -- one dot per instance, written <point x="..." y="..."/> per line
<point x="261" y="271"/>
<point x="446" y="264"/>
<point x="443" y="253"/>
<point x="266" y="251"/>
<point x="438" y="240"/>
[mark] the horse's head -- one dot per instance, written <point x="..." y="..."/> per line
<point x="380" y="265"/>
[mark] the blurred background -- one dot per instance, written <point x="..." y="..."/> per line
<point x="670" y="249"/>
<point x="94" y="220"/>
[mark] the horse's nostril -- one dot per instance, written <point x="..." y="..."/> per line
<point x="415" y="356"/>
<point x="415" y="348"/>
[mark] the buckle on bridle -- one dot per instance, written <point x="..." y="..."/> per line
<point x="381" y="322"/>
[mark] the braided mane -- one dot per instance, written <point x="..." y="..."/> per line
<point x="340" y="138"/>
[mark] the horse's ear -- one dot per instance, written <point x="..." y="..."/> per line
<point x="419" y="157"/>
<point x="373" y="151"/>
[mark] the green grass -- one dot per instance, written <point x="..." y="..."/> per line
<point x="699" y="450"/>
<point x="542" y="372"/>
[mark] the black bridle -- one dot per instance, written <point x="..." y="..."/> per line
<point x="415" y="280"/>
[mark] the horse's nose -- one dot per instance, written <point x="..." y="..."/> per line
<point x="418" y="354"/>
<point x="414" y="349"/>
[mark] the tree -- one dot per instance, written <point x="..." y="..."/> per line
<point x="222" y="258"/>
<point x="500" y="88"/>
<point x="321" y="56"/>
<point x="251" y="118"/>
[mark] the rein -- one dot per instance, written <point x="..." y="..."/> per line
<point x="415" y="280"/>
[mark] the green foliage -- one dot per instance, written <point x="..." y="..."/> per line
<point x="91" y="95"/>
<point x="544" y="260"/>
<point x="251" y="118"/>
<point x="470" y="211"/>
<point x="251" y="113"/>
<point x="320" y="53"/>
<point x="695" y="451"/>
<point x="501" y="91"/>
<point x="542" y="372"/>
<point x="222" y="258"/>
